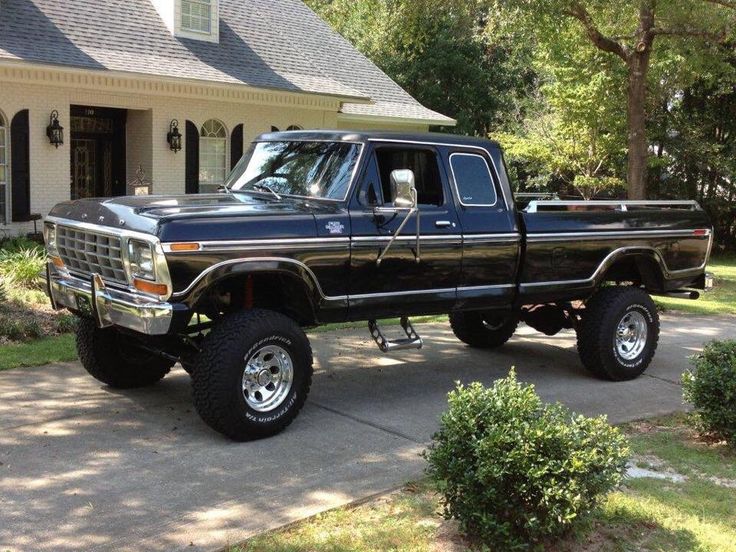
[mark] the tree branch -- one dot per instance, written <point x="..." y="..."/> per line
<point x="725" y="3"/>
<point x="601" y="41"/>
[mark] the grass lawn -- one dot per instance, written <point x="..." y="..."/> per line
<point x="696" y="513"/>
<point x="720" y="300"/>
<point x="38" y="352"/>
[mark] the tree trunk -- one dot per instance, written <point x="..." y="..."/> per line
<point x="637" y="120"/>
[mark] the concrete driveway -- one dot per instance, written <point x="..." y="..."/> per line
<point x="84" y="467"/>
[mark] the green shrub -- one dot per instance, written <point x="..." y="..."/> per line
<point x="20" y="329"/>
<point x="21" y="267"/>
<point x="515" y="472"/>
<point x="66" y="323"/>
<point x="18" y="243"/>
<point x="711" y="388"/>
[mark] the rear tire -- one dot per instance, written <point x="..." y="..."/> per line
<point x="112" y="357"/>
<point x="618" y="334"/>
<point x="485" y="330"/>
<point x="253" y="374"/>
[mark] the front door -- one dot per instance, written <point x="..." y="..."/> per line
<point x="97" y="152"/>
<point x="422" y="280"/>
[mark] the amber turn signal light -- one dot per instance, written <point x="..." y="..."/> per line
<point x="58" y="263"/>
<point x="184" y="247"/>
<point x="150" y="287"/>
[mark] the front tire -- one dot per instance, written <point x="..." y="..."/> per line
<point x="485" y="330"/>
<point x="113" y="358"/>
<point x="253" y="374"/>
<point x="618" y="334"/>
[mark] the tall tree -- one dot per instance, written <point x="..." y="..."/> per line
<point x="631" y="30"/>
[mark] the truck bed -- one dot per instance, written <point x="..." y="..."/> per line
<point x="570" y="245"/>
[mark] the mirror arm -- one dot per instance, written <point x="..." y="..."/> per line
<point x="413" y="210"/>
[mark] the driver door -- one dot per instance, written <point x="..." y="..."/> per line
<point x="423" y="280"/>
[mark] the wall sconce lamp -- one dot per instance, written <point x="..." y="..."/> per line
<point x="55" y="131"/>
<point x="174" y="136"/>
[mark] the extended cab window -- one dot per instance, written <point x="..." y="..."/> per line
<point x="426" y="172"/>
<point x="473" y="179"/>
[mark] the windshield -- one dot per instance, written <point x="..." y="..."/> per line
<point x="310" y="169"/>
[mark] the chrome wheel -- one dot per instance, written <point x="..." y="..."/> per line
<point x="631" y="335"/>
<point x="267" y="379"/>
<point x="494" y="323"/>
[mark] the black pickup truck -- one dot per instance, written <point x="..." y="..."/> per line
<point x="320" y="227"/>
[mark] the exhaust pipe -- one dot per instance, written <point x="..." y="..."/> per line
<point x="682" y="294"/>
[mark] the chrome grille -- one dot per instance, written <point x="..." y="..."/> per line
<point x="90" y="252"/>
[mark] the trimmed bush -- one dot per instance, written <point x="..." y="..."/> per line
<point x="516" y="472"/>
<point x="711" y="388"/>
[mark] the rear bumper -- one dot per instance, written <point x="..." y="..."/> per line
<point x="109" y="307"/>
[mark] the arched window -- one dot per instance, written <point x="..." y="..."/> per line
<point x="4" y="175"/>
<point x="295" y="127"/>
<point x="212" y="156"/>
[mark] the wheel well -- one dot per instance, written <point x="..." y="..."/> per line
<point x="276" y="291"/>
<point x="639" y="269"/>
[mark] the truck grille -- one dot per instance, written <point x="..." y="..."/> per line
<point x="88" y="252"/>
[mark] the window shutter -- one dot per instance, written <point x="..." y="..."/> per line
<point x="236" y="145"/>
<point x="191" y="137"/>
<point x="20" y="169"/>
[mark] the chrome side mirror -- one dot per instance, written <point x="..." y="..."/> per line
<point x="403" y="191"/>
<point x="405" y="197"/>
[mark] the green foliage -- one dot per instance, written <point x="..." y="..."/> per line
<point x="18" y="243"/>
<point x="19" y="329"/>
<point x="711" y="389"/>
<point x="514" y="471"/>
<point x="592" y="186"/>
<point x="22" y="266"/>
<point x="691" y="46"/>
<point x="441" y="52"/>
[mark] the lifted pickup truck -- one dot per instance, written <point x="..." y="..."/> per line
<point x="319" y="227"/>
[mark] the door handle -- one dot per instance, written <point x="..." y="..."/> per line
<point x="443" y="224"/>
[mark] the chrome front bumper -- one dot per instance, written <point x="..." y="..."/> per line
<point x="109" y="307"/>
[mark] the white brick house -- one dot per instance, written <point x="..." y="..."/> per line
<point x="119" y="72"/>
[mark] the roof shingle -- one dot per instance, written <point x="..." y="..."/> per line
<point x="277" y="44"/>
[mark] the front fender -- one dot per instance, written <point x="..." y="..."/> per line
<point x="235" y="267"/>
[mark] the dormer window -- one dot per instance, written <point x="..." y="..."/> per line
<point x="196" y="16"/>
<point x="193" y="19"/>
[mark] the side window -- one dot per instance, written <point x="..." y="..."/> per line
<point x="425" y="167"/>
<point x="473" y="179"/>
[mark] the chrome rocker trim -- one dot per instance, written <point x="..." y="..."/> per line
<point x="109" y="307"/>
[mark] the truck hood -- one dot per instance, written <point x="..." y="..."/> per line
<point x="202" y="216"/>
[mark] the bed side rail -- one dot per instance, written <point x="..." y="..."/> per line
<point x="536" y="206"/>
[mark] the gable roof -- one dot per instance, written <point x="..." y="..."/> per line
<point x="273" y="44"/>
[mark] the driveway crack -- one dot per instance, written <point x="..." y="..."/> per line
<point x="370" y="424"/>
<point x="660" y="378"/>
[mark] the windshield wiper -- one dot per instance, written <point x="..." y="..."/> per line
<point x="268" y="189"/>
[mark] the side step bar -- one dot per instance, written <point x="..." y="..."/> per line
<point x="411" y="341"/>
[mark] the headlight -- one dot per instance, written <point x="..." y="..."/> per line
<point x="140" y="257"/>
<point x="49" y="236"/>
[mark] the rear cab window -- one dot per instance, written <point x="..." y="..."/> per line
<point x="473" y="179"/>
